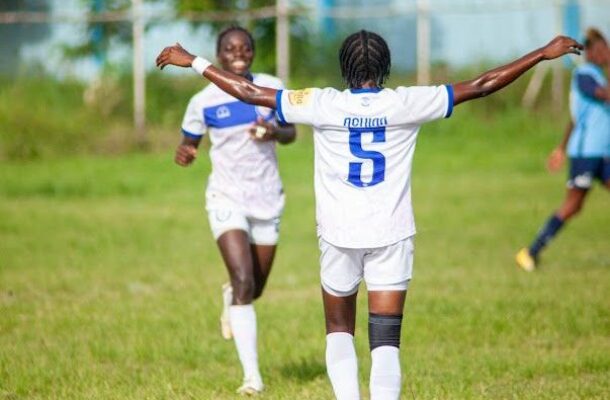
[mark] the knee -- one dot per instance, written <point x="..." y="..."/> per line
<point x="384" y="330"/>
<point x="243" y="287"/>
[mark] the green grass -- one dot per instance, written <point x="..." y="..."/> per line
<point x="110" y="280"/>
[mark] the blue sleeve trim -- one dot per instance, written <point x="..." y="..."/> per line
<point x="278" y="105"/>
<point x="191" y="135"/>
<point x="587" y="85"/>
<point x="450" y="102"/>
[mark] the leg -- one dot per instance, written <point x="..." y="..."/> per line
<point x="235" y="249"/>
<point x="341" y="361"/>
<point x="385" y="321"/>
<point x="341" y="273"/>
<point x="572" y="204"/>
<point x="387" y="274"/>
<point x="262" y="257"/>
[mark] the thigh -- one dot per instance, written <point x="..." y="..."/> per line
<point x="236" y="253"/>
<point x="341" y="269"/>
<point x="389" y="268"/>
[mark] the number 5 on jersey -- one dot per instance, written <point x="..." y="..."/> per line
<point x="355" y="147"/>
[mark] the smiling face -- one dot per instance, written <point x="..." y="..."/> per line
<point x="235" y="53"/>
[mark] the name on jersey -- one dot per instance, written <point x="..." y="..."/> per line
<point x="365" y="122"/>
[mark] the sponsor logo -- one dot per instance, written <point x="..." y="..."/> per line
<point x="223" y="112"/>
<point x="299" y="97"/>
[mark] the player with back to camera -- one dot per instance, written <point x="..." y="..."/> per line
<point x="586" y="142"/>
<point x="244" y="196"/>
<point x="364" y="139"/>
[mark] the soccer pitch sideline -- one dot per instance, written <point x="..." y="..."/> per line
<point x="110" y="280"/>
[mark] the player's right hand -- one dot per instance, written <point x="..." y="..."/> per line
<point x="556" y="159"/>
<point x="560" y="46"/>
<point x="185" y="155"/>
<point x="174" y="55"/>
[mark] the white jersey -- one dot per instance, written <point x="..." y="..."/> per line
<point x="245" y="174"/>
<point x="364" y="141"/>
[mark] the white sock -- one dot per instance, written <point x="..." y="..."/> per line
<point x="342" y="365"/>
<point x="243" y="325"/>
<point x="385" y="373"/>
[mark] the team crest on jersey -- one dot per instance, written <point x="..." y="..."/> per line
<point x="223" y="112"/>
<point x="299" y="97"/>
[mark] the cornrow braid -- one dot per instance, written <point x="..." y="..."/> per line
<point x="233" y="28"/>
<point x="364" y="56"/>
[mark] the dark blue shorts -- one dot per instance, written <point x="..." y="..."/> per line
<point x="583" y="171"/>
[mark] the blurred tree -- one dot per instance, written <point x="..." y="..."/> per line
<point x="20" y="34"/>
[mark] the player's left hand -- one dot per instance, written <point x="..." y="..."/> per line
<point x="262" y="131"/>
<point x="556" y="159"/>
<point x="560" y="46"/>
<point x="174" y="55"/>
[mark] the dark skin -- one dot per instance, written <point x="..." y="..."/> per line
<point x="249" y="265"/>
<point x="340" y="312"/>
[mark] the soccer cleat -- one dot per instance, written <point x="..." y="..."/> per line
<point x="525" y="260"/>
<point x="225" y="322"/>
<point x="251" y="387"/>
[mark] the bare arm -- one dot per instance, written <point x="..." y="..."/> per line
<point x="500" y="77"/>
<point x="234" y="85"/>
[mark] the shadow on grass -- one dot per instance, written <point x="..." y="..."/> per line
<point x="303" y="370"/>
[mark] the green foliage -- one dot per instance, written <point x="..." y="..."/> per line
<point x="110" y="279"/>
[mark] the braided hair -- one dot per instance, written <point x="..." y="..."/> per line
<point x="230" y="29"/>
<point x="364" y="56"/>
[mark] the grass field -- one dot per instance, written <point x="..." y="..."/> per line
<point x="110" y="280"/>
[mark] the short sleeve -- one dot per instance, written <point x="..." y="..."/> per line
<point x="296" y="106"/>
<point x="587" y="85"/>
<point x="426" y="103"/>
<point x="193" y="124"/>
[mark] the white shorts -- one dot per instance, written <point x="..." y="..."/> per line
<point x="383" y="268"/>
<point x="260" y="231"/>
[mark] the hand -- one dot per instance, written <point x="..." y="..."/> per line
<point x="556" y="159"/>
<point x="560" y="46"/>
<point x="262" y="131"/>
<point x="174" y="55"/>
<point x="185" y="155"/>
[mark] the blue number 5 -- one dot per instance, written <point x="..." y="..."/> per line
<point x="355" y="146"/>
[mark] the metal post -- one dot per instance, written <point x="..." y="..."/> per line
<point x="282" y="39"/>
<point x="139" y="72"/>
<point x="557" y="82"/>
<point x="423" y="42"/>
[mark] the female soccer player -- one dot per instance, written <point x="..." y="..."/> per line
<point x="244" y="196"/>
<point x="587" y="140"/>
<point x="364" y="139"/>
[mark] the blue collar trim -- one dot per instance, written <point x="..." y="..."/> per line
<point x="366" y="90"/>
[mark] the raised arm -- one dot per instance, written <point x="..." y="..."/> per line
<point x="234" y="85"/>
<point x="500" y="77"/>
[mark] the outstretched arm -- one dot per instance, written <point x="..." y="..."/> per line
<point x="234" y="85"/>
<point x="500" y="77"/>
